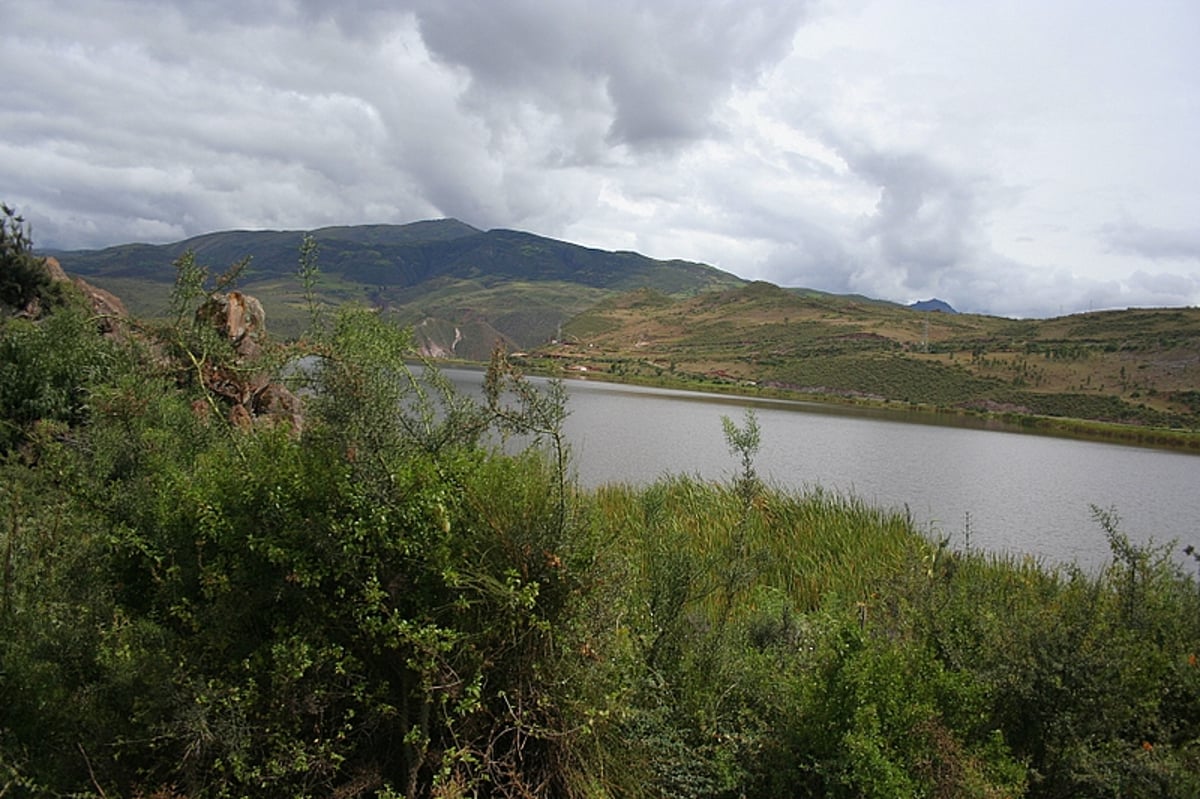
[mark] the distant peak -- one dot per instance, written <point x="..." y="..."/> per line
<point x="935" y="305"/>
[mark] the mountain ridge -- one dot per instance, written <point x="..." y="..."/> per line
<point x="933" y="305"/>
<point x="574" y="308"/>
<point x="436" y="275"/>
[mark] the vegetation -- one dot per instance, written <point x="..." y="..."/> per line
<point x="24" y="283"/>
<point x="1123" y="375"/>
<point x="438" y="276"/>
<point x="1130" y="375"/>
<point x="378" y="601"/>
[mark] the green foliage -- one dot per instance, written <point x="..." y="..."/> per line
<point x="386" y="603"/>
<point x="309" y="272"/>
<point x="538" y="414"/>
<point x="363" y="370"/>
<point x="744" y="442"/>
<point x="894" y="377"/>
<point x="1087" y="687"/>
<point x="885" y="718"/>
<point x="849" y="660"/>
<point x="1107" y="408"/>
<point x="24" y="281"/>
<point x="306" y="613"/>
<point x="48" y="371"/>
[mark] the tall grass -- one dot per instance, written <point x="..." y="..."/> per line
<point x="808" y="544"/>
<point x="807" y="643"/>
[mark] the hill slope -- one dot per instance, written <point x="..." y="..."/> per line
<point x="1135" y="366"/>
<point x="460" y="288"/>
<point x="627" y="316"/>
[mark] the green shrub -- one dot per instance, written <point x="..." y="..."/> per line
<point x="384" y="603"/>
<point x="48" y="370"/>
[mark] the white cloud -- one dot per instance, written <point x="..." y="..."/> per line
<point x="993" y="155"/>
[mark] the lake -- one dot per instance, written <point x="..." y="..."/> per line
<point x="1014" y="492"/>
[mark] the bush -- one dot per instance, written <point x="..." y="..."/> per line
<point x="25" y="285"/>
<point x="386" y="602"/>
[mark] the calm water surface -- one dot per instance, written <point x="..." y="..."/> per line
<point x="1015" y="492"/>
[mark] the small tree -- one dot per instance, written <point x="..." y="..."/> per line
<point x="309" y="272"/>
<point x="538" y="414"/>
<point x="744" y="442"/>
<point x="23" y="276"/>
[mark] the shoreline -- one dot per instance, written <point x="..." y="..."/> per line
<point x="1168" y="439"/>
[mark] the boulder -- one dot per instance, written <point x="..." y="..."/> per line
<point x="237" y="316"/>
<point x="277" y="404"/>
<point x="240" y="318"/>
<point x="55" y="271"/>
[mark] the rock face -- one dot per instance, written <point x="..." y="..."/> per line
<point x="253" y="398"/>
<point x="239" y="317"/>
<point x="109" y="310"/>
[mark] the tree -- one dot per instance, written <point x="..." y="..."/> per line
<point x="23" y="276"/>
<point x="744" y="442"/>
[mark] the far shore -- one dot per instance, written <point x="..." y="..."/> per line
<point x="1177" y="440"/>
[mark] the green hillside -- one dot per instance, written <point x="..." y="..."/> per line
<point x="440" y="275"/>
<point x="1132" y="374"/>
<point x="1137" y="367"/>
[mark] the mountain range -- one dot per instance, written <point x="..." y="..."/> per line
<point x="624" y="316"/>
<point x="459" y="287"/>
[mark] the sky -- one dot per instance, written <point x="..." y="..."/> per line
<point x="1026" y="158"/>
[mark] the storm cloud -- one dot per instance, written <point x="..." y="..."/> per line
<point x="993" y="156"/>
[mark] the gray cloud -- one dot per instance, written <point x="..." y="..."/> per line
<point x="886" y="148"/>
<point x="923" y="234"/>
<point x="661" y="69"/>
<point x="1152" y="242"/>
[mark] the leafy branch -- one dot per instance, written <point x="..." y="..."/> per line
<point x="536" y="413"/>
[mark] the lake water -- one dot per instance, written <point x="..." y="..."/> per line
<point x="1022" y="493"/>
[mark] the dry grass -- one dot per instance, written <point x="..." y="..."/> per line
<point x="1144" y="360"/>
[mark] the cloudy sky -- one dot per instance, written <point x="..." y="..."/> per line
<point x="1024" y="158"/>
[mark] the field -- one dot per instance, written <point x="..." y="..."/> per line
<point x="1132" y="368"/>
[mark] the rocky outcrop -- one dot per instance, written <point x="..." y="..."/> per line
<point x="55" y="271"/>
<point x="239" y="384"/>
<point x="252" y="397"/>
<point x="110" y="314"/>
<point x="109" y="311"/>
<point x="278" y="404"/>
<point x="239" y="318"/>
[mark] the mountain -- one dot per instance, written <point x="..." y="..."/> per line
<point x="1136" y="367"/>
<point x="629" y="317"/>
<point x="459" y="287"/>
<point x="935" y="305"/>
